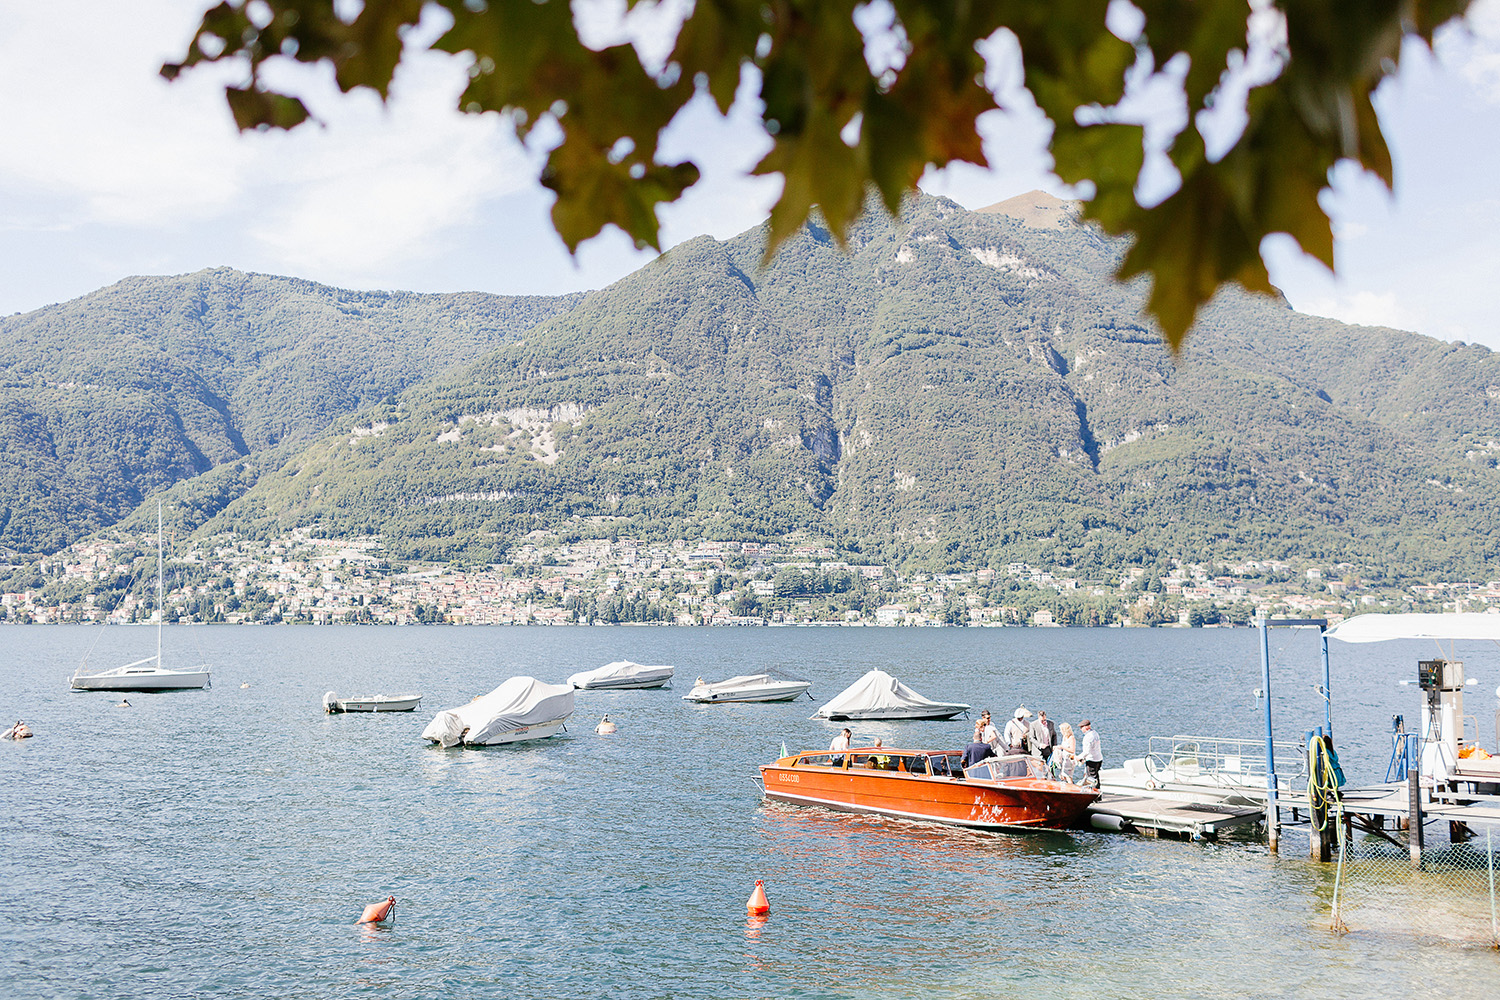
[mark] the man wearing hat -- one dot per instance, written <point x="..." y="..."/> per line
<point x="1091" y="753"/>
<point x="1015" y="732"/>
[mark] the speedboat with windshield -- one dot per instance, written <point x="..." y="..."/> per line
<point x="749" y="687"/>
<point x="1009" y="792"/>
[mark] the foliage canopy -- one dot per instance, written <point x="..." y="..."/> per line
<point x="843" y="119"/>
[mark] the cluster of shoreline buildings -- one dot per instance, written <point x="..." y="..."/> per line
<point x="552" y="581"/>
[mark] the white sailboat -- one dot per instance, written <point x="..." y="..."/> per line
<point x="147" y="674"/>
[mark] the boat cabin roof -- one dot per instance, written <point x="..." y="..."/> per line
<point x="934" y="763"/>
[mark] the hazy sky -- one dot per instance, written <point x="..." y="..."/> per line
<point x="108" y="171"/>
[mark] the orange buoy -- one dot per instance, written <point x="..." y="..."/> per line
<point x="757" y="906"/>
<point x="377" y="913"/>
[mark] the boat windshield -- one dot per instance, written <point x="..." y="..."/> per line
<point x="887" y="759"/>
<point x="1012" y="766"/>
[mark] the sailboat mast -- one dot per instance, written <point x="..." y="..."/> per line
<point x="161" y="611"/>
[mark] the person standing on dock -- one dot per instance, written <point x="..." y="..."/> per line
<point x="1092" y="755"/>
<point x="1015" y="732"/>
<point x="1065" y="755"/>
<point x="985" y="732"/>
<point x="1043" y="736"/>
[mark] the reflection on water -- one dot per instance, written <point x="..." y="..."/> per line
<point x="237" y="832"/>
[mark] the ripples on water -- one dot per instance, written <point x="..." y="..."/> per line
<point x="221" y="843"/>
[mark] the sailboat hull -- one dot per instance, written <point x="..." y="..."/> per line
<point x="141" y="680"/>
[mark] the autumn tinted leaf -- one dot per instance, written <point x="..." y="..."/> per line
<point x="840" y="127"/>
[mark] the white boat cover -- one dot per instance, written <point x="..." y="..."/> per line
<point x="877" y="692"/>
<point x="1379" y="628"/>
<point x="618" y="672"/>
<point x="520" y="701"/>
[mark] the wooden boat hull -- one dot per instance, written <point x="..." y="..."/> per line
<point x="141" y="680"/>
<point x="1022" y="802"/>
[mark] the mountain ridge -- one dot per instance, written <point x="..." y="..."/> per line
<point x="957" y="390"/>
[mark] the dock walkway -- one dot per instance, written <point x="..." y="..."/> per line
<point x="1156" y="816"/>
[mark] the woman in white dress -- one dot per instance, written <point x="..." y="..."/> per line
<point x="1065" y="756"/>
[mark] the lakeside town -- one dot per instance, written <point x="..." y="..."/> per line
<point x="553" y="581"/>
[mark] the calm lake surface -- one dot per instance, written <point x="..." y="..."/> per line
<point x="223" y="842"/>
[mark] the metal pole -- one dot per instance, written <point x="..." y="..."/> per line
<point x="1489" y="851"/>
<point x="1414" y="837"/>
<point x="1327" y="689"/>
<point x="1273" y="812"/>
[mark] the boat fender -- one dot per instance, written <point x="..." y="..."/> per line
<point x="377" y="913"/>
<point x="1106" y="821"/>
<point x="757" y="905"/>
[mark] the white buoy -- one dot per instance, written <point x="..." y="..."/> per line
<point x="605" y="727"/>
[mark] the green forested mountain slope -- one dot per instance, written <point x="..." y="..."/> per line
<point x="960" y="389"/>
<point x="108" y="398"/>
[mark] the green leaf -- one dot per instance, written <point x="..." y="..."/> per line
<point x="264" y="109"/>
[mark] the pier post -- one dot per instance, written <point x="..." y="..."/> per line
<point x="1320" y="832"/>
<point x="1273" y="810"/>
<point x="1414" y="813"/>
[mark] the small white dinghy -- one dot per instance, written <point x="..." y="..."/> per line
<point x="749" y="687"/>
<point x="333" y="704"/>
<point x="621" y="675"/>
<point x="878" y="695"/>
<point x="523" y="708"/>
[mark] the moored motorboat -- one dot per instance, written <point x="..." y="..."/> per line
<point x="749" y="687"/>
<point x="998" y="793"/>
<point x="333" y="704"/>
<point x="621" y="675"/>
<point x="878" y="695"/>
<point x="523" y="708"/>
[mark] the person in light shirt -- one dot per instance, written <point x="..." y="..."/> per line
<point x="986" y="732"/>
<point x="840" y="743"/>
<point x="1015" y="732"/>
<point x="1091" y="753"/>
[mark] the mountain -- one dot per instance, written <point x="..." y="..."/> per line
<point x="153" y="381"/>
<point x="958" y="389"/>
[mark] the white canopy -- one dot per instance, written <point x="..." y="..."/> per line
<point x="1379" y="628"/>
<point x="878" y="695"/>
<point x="744" y="682"/>
<point x="520" y="701"/>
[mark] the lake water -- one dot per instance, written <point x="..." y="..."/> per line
<point x="223" y="842"/>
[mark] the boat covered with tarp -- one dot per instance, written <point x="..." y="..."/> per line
<point x="878" y="695"/>
<point x="523" y="708"/>
<point x="621" y="675"/>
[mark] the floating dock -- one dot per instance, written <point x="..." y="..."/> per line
<point x="1154" y="816"/>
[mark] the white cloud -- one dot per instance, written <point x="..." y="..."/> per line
<point x="383" y="184"/>
<point x="1364" y="308"/>
<point x="1474" y="51"/>
<point x="88" y="118"/>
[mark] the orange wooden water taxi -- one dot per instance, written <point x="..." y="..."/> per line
<point x="998" y="793"/>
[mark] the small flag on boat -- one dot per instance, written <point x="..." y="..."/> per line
<point x="783" y="749"/>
